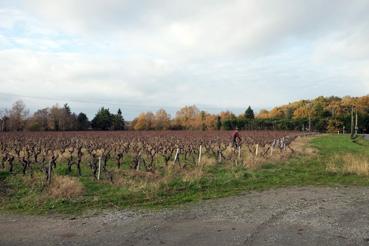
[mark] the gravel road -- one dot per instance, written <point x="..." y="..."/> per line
<point x="289" y="216"/>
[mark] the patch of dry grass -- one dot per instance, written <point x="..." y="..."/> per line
<point x="35" y="181"/>
<point x="65" y="187"/>
<point x="349" y="164"/>
<point x="207" y="161"/>
<point x="301" y="146"/>
<point x="193" y="174"/>
<point x="136" y="180"/>
<point x="254" y="163"/>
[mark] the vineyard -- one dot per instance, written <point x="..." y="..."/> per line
<point x="102" y="152"/>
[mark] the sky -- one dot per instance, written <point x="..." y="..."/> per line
<point x="145" y="55"/>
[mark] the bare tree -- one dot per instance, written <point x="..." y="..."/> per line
<point x="39" y="120"/>
<point x="3" y="120"/>
<point x="18" y="116"/>
<point x="61" y="118"/>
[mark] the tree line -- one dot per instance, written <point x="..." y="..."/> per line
<point x="323" y="114"/>
<point x="57" y="118"/>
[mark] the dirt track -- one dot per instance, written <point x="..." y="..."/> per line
<point x="293" y="216"/>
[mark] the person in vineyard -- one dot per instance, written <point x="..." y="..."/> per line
<point x="236" y="139"/>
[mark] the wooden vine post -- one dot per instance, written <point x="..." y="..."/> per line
<point x="49" y="173"/>
<point x="99" y="169"/>
<point x="257" y="150"/>
<point x="271" y="150"/>
<point x="272" y="147"/>
<point x="138" y="161"/>
<point x="176" y="156"/>
<point x="200" y="152"/>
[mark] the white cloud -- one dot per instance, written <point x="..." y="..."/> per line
<point x="70" y="74"/>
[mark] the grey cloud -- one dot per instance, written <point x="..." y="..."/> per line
<point x="168" y="53"/>
<point x="204" y="28"/>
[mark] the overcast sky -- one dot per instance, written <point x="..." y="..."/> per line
<point x="217" y="54"/>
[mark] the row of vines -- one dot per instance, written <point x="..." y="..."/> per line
<point x="101" y="152"/>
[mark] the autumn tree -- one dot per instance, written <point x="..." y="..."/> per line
<point x="161" y="120"/>
<point x="210" y="121"/>
<point x="145" y="121"/>
<point x="263" y="114"/>
<point x="228" y="120"/>
<point x="218" y="124"/>
<point x="334" y="125"/>
<point x="189" y="117"/>
<point x="277" y="113"/>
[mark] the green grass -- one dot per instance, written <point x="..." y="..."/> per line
<point x="340" y="144"/>
<point x="218" y="181"/>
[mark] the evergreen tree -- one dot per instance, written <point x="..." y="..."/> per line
<point x="249" y="113"/>
<point x="67" y="109"/>
<point x="103" y="120"/>
<point x="82" y="122"/>
<point x="67" y="118"/>
<point x="118" y="121"/>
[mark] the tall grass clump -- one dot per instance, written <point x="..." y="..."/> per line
<point x="349" y="164"/>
